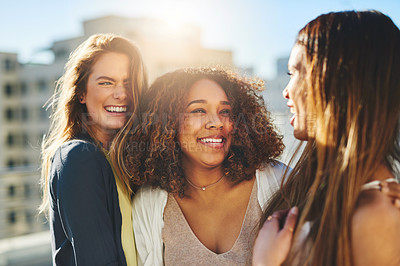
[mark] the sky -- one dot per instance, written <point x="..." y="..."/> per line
<point x="257" y="31"/>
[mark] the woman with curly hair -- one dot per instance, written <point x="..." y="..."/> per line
<point x="206" y="148"/>
<point x="344" y="93"/>
<point x="89" y="208"/>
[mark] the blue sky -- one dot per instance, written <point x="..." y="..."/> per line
<point x="257" y="31"/>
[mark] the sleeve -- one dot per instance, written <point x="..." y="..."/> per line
<point x="269" y="181"/>
<point x="147" y="211"/>
<point x="81" y="194"/>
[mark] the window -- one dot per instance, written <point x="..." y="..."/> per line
<point x="42" y="85"/>
<point x="11" y="190"/>
<point x="8" y="90"/>
<point x="28" y="217"/>
<point x="9" y="65"/>
<point x="24" y="88"/>
<point x="61" y="53"/>
<point x="10" y="140"/>
<point x="12" y="217"/>
<point x="25" y="114"/>
<point x="11" y="163"/>
<point x="27" y="191"/>
<point x="10" y="114"/>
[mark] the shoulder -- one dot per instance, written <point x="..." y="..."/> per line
<point x="147" y="218"/>
<point x="77" y="152"/>
<point x="77" y="148"/>
<point x="272" y="172"/>
<point x="79" y="161"/>
<point x="269" y="179"/>
<point x="376" y="225"/>
<point x="149" y="197"/>
<point x="148" y="211"/>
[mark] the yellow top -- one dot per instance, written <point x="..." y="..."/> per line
<point x="125" y="205"/>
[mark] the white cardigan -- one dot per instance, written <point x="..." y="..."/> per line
<point x="148" y="209"/>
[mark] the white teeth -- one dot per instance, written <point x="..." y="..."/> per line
<point x="211" y="140"/>
<point x="116" y="109"/>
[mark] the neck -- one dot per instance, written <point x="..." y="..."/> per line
<point x="382" y="173"/>
<point x="104" y="139"/>
<point x="202" y="179"/>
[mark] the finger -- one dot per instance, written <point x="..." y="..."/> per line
<point x="280" y="214"/>
<point x="271" y="223"/>
<point x="291" y="219"/>
<point x="391" y="189"/>
<point x="397" y="203"/>
<point x="276" y="218"/>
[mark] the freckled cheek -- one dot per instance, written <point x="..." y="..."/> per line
<point x="190" y="126"/>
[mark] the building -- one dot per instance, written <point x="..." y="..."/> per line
<point x="20" y="197"/>
<point x="277" y="105"/>
<point x="164" y="46"/>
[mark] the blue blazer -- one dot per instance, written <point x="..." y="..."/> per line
<point x="85" y="218"/>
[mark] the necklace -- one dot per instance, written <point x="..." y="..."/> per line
<point x="204" y="187"/>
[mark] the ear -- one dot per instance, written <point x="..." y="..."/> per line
<point x="82" y="98"/>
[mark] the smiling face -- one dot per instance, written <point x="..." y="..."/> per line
<point x="295" y="92"/>
<point x="108" y="98"/>
<point x="205" y="132"/>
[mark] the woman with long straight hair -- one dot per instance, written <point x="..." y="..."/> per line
<point x="88" y="206"/>
<point x="344" y="94"/>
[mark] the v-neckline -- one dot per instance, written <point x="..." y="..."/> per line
<point x="182" y="216"/>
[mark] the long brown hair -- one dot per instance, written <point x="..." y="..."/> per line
<point x="152" y="153"/>
<point x="68" y="117"/>
<point x="353" y="110"/>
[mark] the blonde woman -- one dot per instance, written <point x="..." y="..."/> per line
<point x="88" y="206"/>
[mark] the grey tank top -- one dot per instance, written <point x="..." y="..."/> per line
<point x="182" y="247"/>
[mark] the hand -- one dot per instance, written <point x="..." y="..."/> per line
<point x="273" y="244"/>
<point x="392" y="190"/>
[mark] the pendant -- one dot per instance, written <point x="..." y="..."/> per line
<point x="203" y="188"/>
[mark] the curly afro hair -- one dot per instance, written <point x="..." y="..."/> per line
<point x="152" y="154"/>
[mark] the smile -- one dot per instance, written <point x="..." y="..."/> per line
<point x="116" y="109"/>
<point x="291" y="107"/>
<point x="211" y="140"/>
<point x="216" y="142"/>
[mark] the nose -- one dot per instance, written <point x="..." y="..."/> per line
<point x="285" y="93"/>
<point x="214" y="122"/>
<point x="120" y="92"/>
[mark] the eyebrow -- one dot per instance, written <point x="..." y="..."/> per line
<point x="204" y="101"/>
<point x="110" y="79"/>
<point x="294" y="66"/>
<point x="105" y="77"/>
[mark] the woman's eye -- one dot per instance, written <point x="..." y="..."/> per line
<point x="226" y="112"/>
<point x="198" y="111"/>
<point x="105" y="83"/>
<point x="290" y="73"/>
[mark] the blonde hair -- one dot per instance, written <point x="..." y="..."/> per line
<point x="353" y="95"/>
<point x="67" y="118"/>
